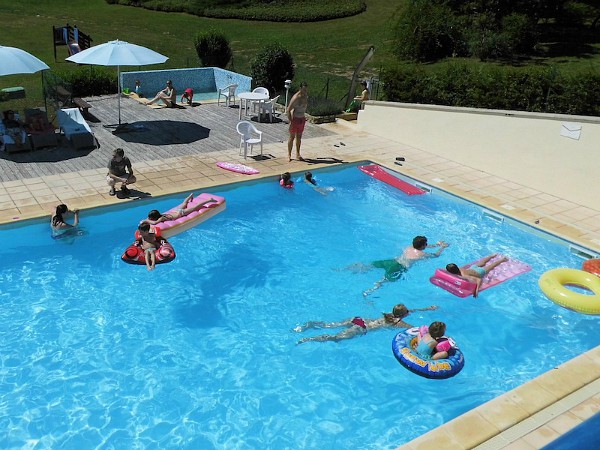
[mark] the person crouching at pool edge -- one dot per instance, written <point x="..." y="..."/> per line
<point x="285" y="180"/>
<point x="357" y="326"/>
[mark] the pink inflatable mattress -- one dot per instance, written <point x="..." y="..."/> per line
<point x="173" y="227"/>
<point x="463" y="288"/>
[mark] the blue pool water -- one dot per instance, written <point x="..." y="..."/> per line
<point x="201" y="353"/>
<point x="583" y="436"/>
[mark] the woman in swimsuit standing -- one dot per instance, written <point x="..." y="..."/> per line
<point x="358" y="326"/>
<point x="297" y="120"/>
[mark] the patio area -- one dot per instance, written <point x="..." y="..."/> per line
<point x="156" y="134"/>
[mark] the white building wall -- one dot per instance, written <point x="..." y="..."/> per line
<point x="526" y="148"/>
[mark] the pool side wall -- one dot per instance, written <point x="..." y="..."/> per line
<point x="200" y="79"/>
<point x="494" y="419"/>
<point x="513" y="143"/>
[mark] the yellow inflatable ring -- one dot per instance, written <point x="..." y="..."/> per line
<point x="553" y="284"/>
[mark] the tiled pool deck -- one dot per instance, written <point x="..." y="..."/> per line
<point x="527" y="417"/>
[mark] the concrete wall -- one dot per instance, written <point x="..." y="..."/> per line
<point x="200" y="79"/>
<point x="526" y="148"/>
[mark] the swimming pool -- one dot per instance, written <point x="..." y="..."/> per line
<point x="200" y="353"/>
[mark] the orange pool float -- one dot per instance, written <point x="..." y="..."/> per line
<point x="592" y="266"/>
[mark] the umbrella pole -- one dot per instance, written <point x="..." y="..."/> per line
<point x="119" y="91"/>
<point x="120" y="127"/>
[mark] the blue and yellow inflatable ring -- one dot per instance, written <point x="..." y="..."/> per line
<point x="428" y="368"/>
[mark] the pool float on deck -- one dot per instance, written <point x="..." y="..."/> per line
<point x="463" y="288"/>
<point x="239" y="168"/>
<point x="592" y="266"/>
<point x="403" y="344"/>
<point x="171" y="228"/>
<point x="134" y="254"/>
<point x="553" y="284"/>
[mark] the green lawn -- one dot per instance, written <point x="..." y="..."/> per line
<point x="322" y="51"/>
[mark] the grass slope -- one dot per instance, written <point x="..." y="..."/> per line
<point x="320" y="50"/>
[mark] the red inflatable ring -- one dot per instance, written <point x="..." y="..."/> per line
<point x="592" y="266"/>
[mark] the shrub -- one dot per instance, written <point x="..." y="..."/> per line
<point x="213" y="49"/>
<point x="321" y="106"/>
<point x="287" y="11"/>
<point x="426" y="32"/>
<point x="537" y="89"/>
<point x="271" y="67"/>
<point x="272" y="10"/>
<point x="92" y="80"/>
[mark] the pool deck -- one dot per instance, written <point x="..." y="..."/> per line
<point x="175" y="150"/>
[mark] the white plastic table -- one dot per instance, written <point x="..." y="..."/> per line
<point x="252" y="97"/>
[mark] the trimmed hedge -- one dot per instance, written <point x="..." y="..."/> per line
<point x="289" y="11"/>
<point x="321" y="106"/>
<point x="90" y="81"/>
<point x="533" y="89"/>
<point x="269" y="10"/>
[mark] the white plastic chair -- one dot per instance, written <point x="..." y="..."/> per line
<point x="269" y="107"/>
<point x="229" y="93"/>
<point x="259" y="90"/>
<point x="247" y="131"/>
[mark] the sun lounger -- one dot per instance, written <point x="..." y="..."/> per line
<point x="75" y="128"/>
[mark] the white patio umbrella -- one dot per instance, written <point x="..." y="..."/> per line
<point x="15" y="61"/>
<point x="118" y="53"/>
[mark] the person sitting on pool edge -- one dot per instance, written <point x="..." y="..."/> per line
<point x="477" y="271"/>
<point x="168" y="96"/>
<point x="394" y="268"/>
<point x="181" y="210"/>
<point x="358" y="326"/>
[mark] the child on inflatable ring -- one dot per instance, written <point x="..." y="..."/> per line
<point x="430" y="341"/>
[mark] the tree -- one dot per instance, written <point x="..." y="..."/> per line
<point x="427" y="30"/>
<point x="272" y="66"/>
<point x="213" y="49"/>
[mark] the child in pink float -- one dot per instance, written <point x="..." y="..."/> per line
<point x="430" y="344"/>
<point x="285" y="180"/>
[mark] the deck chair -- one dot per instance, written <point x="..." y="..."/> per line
<point x="249" y="136"/>
<point x="229" y="93"/>
<point x="259" y="90"/>
<point x="75" y="128"/>
<point x="41" y="131"/>
<point x="269" y="107"/>
<point x="13" y="137"/>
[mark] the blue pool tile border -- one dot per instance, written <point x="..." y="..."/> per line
<point x="200" y="79"/>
